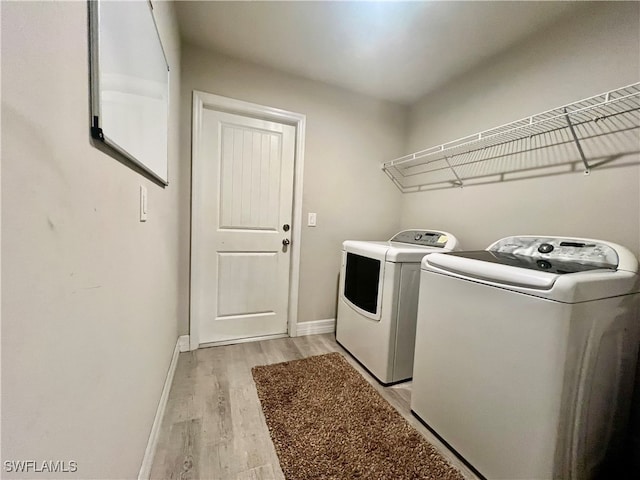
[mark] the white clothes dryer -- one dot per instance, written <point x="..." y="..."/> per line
<point x="525" y="354"/>
<point x="378" y="300"/>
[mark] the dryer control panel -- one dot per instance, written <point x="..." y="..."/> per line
<point x="424" y="238"/>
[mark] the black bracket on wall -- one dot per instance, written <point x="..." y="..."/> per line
<point x="96" y="131"/>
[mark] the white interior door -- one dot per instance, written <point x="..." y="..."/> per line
<point x="242" y="211"/>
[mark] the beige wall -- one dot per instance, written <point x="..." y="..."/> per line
<point x="592" y="50"/>
<point x="89" y="302"/>
<point x="347" y="137"/>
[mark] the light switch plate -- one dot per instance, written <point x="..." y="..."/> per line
<point x="312" y="220"/>
<point x="143" y="203"/>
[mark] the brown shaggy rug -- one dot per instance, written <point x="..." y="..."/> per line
<point x="327" y="422"/>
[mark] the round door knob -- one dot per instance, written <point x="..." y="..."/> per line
<point x="286" y="242"/>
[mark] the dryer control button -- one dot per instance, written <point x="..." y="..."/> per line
<point x="417" y="237"/>
<point x="545" y="248"/>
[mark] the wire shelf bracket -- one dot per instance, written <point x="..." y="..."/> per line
<point x="587" y="169"/>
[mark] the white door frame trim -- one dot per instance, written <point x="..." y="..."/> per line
<point x="298" y="120"/>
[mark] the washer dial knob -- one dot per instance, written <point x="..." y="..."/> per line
<point x="545" y="248"/>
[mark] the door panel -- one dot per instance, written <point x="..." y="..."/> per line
<point x="250" y="179"/>
<point x="245" y="283"/>
<point x="243" y="183"/>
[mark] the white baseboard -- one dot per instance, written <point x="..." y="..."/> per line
<point x="317" y="326"/>
<point x="149" y="453"/>
<point x="183" y="343"/>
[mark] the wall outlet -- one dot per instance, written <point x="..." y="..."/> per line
<point x="311" y="222"/>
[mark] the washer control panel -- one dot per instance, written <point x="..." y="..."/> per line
<point x="557" y="248"/>
<point x="425" y="238"/>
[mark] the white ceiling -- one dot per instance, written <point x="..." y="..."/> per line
<point x="397" y="51"/>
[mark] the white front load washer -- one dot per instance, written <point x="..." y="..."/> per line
<point x="525" y="354"/>
<point x="378" y="300"/>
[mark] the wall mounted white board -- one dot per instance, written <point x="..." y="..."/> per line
<point x="129" y="79"/>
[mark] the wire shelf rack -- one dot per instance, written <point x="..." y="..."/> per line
<point x="582" y="135"/>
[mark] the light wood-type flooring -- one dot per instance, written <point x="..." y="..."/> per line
<point x="213" y="426"/>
